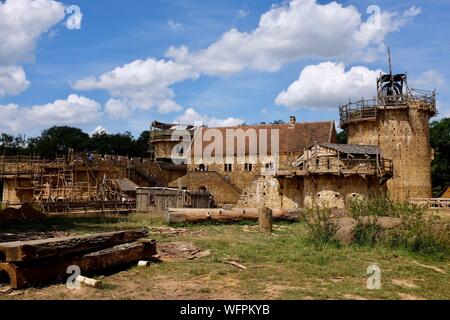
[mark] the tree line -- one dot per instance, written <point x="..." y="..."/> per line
<point x="57" y="141"/>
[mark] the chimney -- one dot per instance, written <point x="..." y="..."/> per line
<point x="292" y="121"/>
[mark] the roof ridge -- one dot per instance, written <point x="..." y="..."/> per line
<point x="272" y="124"/>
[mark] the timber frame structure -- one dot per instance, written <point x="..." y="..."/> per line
<point x="41" y="181"/>
<point x="342" y="159"/>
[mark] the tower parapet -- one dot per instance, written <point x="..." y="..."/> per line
<point x="393" y="93"/>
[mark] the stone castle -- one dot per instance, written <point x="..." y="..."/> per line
<point x="285" y="165"/>
<point x="388" y="151"/>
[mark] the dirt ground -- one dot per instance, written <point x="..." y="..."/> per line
<point x="194" y="264"/>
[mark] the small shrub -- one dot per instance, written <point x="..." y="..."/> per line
<point x="320" y="228"/>
<point x="424" y="234"/>
<point x="418" y="232"/>
<point x="367" y="234"/>
<point x="383" y="206"/>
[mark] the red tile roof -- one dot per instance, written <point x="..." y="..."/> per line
<point x="292" y="138"/>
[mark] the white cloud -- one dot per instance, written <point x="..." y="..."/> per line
<point x="116" y="109"/>
<point x="12" y="80"/>
<point x="174" y="25"/>
<point x="242" y="13"/>
<point x="443" y="109"/>
<point x="429" y="80"/>
<point x="190" y="116"/>
<point x="22" y="22"/>
<point x="141" y="84"/>
<point x="99" y="130"/>
<point x="301" y="29"/>
<point x="75" y="110"/>
<point x="328" y="84"/>
<point x="169" y="106"/>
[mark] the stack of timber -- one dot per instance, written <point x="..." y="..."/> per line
<point x="39" y="262"/>
<point x="89" y="207"/>
<point x="183" y="215"/>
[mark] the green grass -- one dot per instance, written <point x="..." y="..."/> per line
<point x="286" y="265"/>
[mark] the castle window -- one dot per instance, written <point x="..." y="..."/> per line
<point x="269" y="165"/>
<point x="248" y="167"/>
<point x="228" y="167"/>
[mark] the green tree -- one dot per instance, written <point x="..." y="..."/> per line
<point x="440" y="141"/>
<point x="142" y="144"/>
<point x="58" y="140"/>
<point x="342" y="137"/>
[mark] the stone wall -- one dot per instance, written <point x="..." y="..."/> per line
<point x="363" y="133"/>
<point x="264" y="191"/>
<point x="223" y="192"/>
<point x="163" y="149"/>
<point x="292" y="192"/>
<point x="333" y="192"/>
<point x="404" y="137"/>
<point x="14" y="192"/>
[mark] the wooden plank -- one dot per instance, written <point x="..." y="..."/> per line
<point x="41" y="272"/>
<point x="43" y="248"/>
<point x="183" y="215"/>
<point x="236" y="264"/>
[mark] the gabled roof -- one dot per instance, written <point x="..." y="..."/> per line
<point x="293" y="138"/>
<point x="126" y="184"/>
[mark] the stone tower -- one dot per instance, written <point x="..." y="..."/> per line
<point x="165" y="141"/>
<point x="398" y="121"/>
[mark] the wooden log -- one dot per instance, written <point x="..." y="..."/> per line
<point x="183" y="215"/>
<point x="41" y="272"/>
<point x="89" y="282"/>
<point x="143" y="263"/>
<point x="43" y="248"/>
<point x="265" y="220"/>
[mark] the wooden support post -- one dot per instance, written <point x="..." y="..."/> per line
<point x="265" y="219"/>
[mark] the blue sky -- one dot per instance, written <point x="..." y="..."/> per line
<point x="115" y="33"/>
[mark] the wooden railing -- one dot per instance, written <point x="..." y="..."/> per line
<point x="334" y="165"/>
<point x="368" y="109"/>
<point x="432" y="203"/>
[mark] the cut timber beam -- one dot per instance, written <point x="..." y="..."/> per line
<point x="41" y="272"/>
<point x="38" y="249"/>
<point x="179" y="215"/>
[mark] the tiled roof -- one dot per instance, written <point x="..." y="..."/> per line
<point x="352" y="148"/>
<point x="292" y="138"/>
<point x="126" y="184"/>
